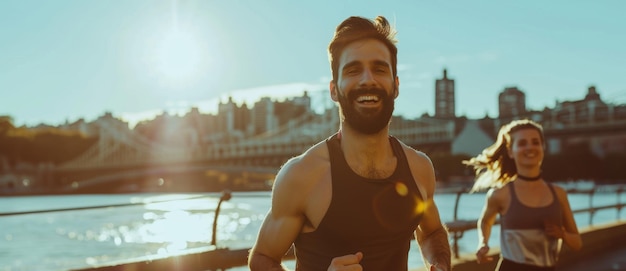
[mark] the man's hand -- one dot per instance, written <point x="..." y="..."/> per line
<point x="435" y="267"/>
<point x="347" y="263"/>
<point x="481" y="255"/>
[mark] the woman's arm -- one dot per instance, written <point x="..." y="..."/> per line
<point x="570" y="234"/>
<point x="485" y="223"/>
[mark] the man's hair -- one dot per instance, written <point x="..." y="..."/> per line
<point x="358" y="28"/>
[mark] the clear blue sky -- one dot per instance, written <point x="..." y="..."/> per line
<point x="62" y="60"/>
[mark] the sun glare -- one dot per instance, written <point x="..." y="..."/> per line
<point x="187" y="216"/>
<point x="179" y="57"/>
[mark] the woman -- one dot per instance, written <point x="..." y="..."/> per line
<point x="535" y="216"/>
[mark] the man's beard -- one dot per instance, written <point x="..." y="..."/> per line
<point x="370" y="120"/>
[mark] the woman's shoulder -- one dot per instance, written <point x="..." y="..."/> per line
<point x="559" y="190"/>
<point x="499" y="192"/>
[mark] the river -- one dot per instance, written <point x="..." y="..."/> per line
<point x="165" y="224"/>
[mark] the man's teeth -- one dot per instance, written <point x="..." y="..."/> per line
<point x="367" y="98"/>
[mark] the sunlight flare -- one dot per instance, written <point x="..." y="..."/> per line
<point x="179" y="56"/>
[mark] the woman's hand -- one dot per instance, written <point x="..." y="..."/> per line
<point x="553" y="230"/>
<point x="481" y="255"/>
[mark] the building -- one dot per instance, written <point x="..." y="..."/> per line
<point x="290" y="110"/>
<point x="263" y="116"/>
<point x="511" y="103"/>
<point x="590" y="110"/>
<point x="232" y="118"/>
<point x="226" y="113"/>
<point x="471" y="140"/>
<point x="444" y="97"/>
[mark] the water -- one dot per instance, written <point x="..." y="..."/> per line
<point x="174" y="223"/>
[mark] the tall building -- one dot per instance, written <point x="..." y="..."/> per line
<point x="263" y="116"/>
<point x="243" y="117"/>
<point x="233" y="118"/>
<point x="226" y="114"/>
<point x="511" y="103"/>
<point x="290" y="109"/>
<point x="444" y="97"/>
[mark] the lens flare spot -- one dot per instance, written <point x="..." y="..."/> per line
<point x="401" y="189"/>
<point x="420" y="206"/>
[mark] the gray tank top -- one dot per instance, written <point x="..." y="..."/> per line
<point x="522" y="236"/>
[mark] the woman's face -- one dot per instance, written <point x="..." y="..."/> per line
<point x="526" y="148"/>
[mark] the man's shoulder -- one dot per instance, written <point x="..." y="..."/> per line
<point x="413" y="154"/>
<point x="314" y="154"/>
<point x="311" y="159"/>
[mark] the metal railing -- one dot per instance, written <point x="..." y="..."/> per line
<point x="457" y="227"/>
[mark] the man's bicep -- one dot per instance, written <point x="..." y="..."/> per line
<point x="431" y="220"/>
<point x="285" y="219"/>
<point x="425" y="181"/>
<point x="277" y="234"/>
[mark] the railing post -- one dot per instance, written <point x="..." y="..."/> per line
<point x="456" y="203"/>
<point x="458" y="228"/>
<point x="592" y="210"/>
<point x="457" y="235"/>
<point x="619" y="200"/>
<point x="226" y="195"/>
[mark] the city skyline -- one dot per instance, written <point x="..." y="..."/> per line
<point x="67" y="60"/>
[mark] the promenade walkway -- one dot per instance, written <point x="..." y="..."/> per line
<point x="604" y="249"/>
<point x="614" y="260"/>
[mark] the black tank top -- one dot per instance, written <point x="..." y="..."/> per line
<point x="375" y="216"/>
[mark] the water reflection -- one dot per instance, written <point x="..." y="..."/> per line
<point x="77" y="239"/>
<point x="174" y="226"/>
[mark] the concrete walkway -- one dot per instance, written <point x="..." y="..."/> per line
<point x="604" y="249"/>
<point x="611" y="261"/>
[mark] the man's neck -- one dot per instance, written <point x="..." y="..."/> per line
<point x="365" y="148"/>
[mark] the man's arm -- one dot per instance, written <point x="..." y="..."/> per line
<point x="432" y="238"/>
<point x="431" y="235"/>
<point x="282" y="224"/>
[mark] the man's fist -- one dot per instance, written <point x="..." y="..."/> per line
<point x="348" y="262"/>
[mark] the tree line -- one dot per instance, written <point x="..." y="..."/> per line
<point x="44" y="145"/>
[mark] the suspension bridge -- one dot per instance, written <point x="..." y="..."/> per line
<point x="122" y="156"/>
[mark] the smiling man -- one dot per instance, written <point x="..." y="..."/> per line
<point x="355" y="200"/>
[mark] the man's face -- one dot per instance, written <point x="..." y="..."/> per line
<point x="366" y="88"/>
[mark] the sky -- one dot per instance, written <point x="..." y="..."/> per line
<point x="65" y="60"/>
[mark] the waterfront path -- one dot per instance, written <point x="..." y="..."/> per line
<point x="604" y="249"/>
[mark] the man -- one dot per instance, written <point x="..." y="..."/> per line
<point x="354" y="200"/>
